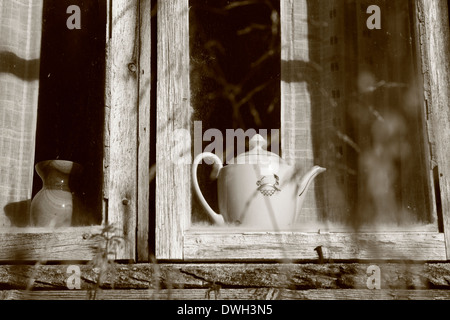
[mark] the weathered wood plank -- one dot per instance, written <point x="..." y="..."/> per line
<point x="231" y="294"/>
<point x="123" y="89"/>
<point x="221" y="246"/>
<point x="144" y="130"/>
<point x="107" y="122"/>
<point x="399" y="276"/>
<point x="173" y="186"/>
<point x="435" y="47"/>
<point x="34" y="244"/>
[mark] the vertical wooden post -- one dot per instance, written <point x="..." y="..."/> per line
<point x="144" y="130"/>
<point x="435" y="45"/>
<point x="173" y="188"/>
<point x="123" y="91"/>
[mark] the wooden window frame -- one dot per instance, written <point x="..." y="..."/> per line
<point x="174" y="238"/>
<point x="126" y="152"/>
<point x="127" y="149"/>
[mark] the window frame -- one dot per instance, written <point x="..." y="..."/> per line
<point x="176" y="241"/>
<point x="127" y="148"/>
<point x="126" y="153"/>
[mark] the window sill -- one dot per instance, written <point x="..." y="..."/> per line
<point x="37" y="244"/>
<point x="215" y="245"/>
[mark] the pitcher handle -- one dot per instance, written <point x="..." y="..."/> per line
<point x="217" y="218"/>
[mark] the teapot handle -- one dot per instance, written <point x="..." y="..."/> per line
<point x="218" y="219"/>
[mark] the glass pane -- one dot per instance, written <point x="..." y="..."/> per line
<point x="235" y="79"/>
<point x="340" y="81"/>
<point x="70" y="118"/>
<point x="368" y="116"/>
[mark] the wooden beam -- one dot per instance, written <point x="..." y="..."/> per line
<point x="222" y="245"/>
<point x="41" y="244"/>
<point x="231" y="294"/>
<point x="143" y="210"/>
<point x="123" y="80"/>
<point x="310" y="276"/>
<point x="435" y="49"/>
<point x="173" y="188"/>
<point x="435" y="45"/>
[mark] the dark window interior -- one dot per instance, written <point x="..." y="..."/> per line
<point x="71" y="96"/>
<point x="235" y="71"/>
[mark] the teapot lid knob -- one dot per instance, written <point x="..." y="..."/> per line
<point x="257" y="141"/>
<point x="256" y="154"/>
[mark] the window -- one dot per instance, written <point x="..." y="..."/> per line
<point x="70" y="117"/>
<point x="83" y="114"/>
<point x="345" y="118"/>
<point x="154" y="97"/>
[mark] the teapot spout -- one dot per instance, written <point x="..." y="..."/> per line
<point x="308" y="177"/>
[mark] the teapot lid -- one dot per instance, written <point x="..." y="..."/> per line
<point x="256" y="153"/>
